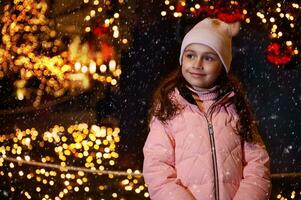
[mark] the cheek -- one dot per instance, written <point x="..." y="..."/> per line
<point x="184" y="67"/>
<point x="215" y="68"/>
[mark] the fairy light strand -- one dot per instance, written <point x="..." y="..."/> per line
<point x="71" y="168"/>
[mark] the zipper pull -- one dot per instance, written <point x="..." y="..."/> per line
<point x="210" y="129"/>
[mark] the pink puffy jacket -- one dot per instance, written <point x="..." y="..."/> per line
<point x="188" y="159"/>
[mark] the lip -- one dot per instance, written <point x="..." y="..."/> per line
<point x="197" y="74"/>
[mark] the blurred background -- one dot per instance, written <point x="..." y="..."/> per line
<point x="76" y="79"/>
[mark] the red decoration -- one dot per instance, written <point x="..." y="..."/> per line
<point x="100" y="30"/>
<point x="278" y="55"/>
<point x="179" y="7"/>
<point x="107" y="51"/>
<point x="228" y="13"/>
<point x="231" y="17"/>
<point x="202" y="9"/>
<point x="224" y="12"/>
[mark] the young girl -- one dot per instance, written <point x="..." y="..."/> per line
<point x="203" y="141"/>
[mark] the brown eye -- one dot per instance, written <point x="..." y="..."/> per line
<point x="209" y="58"/>
<point x="189" y="56"/>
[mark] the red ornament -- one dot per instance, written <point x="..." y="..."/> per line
<point x="222" y="11"/>
<point x="100" y="30"/>
<point x="230" y="17"/>
<point x="278" y="55"/>
<point x="179" y="7"/>
<point x="107" y="51"/>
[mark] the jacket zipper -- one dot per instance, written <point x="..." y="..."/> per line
<point x="213" y="149"/>
<point x="214" y="159"/>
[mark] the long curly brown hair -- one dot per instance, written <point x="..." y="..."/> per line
<point x="165" y="108"/>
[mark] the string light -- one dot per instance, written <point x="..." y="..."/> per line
<point x="282" y="14"/>
<point x="65" y="71"/>
<point x="52" y="159"/>
<point x="110" y="20"/>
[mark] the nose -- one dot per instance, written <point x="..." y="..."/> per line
<point x="198" y="64"/>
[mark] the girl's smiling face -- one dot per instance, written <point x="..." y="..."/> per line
<point x="201" y="66"/>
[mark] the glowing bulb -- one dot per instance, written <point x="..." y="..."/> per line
<point x="92" y="67"/>
<point x="103" y="68"/>
<point x="289" y="43"/>
<point x="116" y="15"/>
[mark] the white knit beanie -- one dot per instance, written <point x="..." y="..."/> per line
<point x="215" y="34"/>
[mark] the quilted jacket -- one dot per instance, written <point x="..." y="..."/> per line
<point x="198" y="155"/>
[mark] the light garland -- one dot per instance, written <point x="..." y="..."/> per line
<point x="280" y="18"/>
<point x="112" y="22"/>
<point x="30" y="48"/>
<point x="63" y="159"/>
<point x="20" y="161"/>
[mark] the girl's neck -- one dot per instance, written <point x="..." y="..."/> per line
<point x="206" y="94"/>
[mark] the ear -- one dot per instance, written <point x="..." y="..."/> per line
<point x="234" y="28"/>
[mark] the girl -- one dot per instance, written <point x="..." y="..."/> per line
<point x="203" y="141"/>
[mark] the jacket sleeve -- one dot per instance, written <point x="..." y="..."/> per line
<point x="256" y="182"/>
<point x="158" y="166"/>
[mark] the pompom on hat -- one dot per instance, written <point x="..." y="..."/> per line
<point x="215" y="34"/>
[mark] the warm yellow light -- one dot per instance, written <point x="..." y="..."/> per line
<point x="87" y="29"/>
<point x="295" y="5"/>
<point x="163" y="13"/>
<point x="96" y="2"/>
<point x="112" y="65"/>
<point x="176" y="14"/>
<point x="107" y="21"/>
<point x="289" y="43"/>
<point x="92" y="67"/>
<point x="92" y="13"/>
<point x="21" y="173"/>
<point x="84" y="69"/>
<point x="280" y="34"/>
<point x="124" y="41"/>
<point x="116" y="15"/>
<point x="103" y="68"/>
<point x="116" y="34"/>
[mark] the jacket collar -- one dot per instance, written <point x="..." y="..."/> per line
<point x="183" y="94"/>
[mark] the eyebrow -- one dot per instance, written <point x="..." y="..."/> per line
<point x="207" y="52"/>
